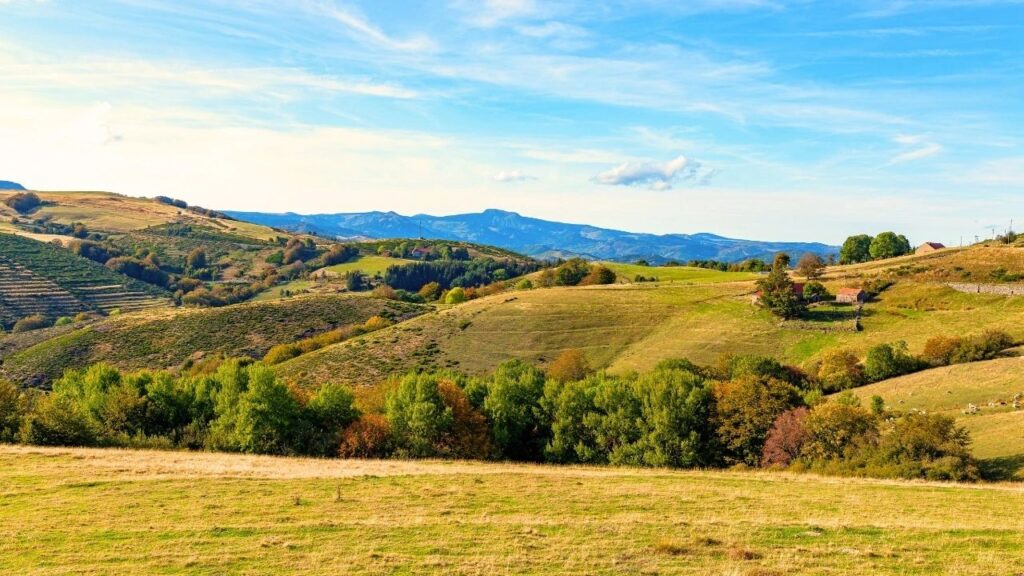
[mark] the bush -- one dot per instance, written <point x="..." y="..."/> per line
<point x="836" y="430"/>
<point x="367" y="437"/>
<point x="29" y="323"/>
<point x="524" y="284"/>
<point x="455" y="296"/>
<point x="23" y="202"/>
<point x="57" y="420"/>
<point x="886" y="361"/>
<point x="815" y="291"/>
<point x="929" y="446"/>
<point x="386" y="292"/>
<point x="598" y="275"/>
<point x="430" y="291"/>
<point x="572" y="272"/>
<point x="939" y="350"/>
<point x="339" y="254"/>
<point x="570" y="365"/>
<point x="786" y="438"/>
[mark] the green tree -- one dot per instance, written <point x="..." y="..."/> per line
<point x="326" y="416"/>
<point x="889" y="361"/>
<point x="888" y="245"/>
<point x="419" y="418"/>
<point x="777" y="292"/>
<point x="571" y="272"/>
<point x="456" y="295"/>
<point x="746" y="410"/>
<point x="855" y="249"/>
<point x="836" y="430"/>
<point x="57" y="420"/>
<point x="267" y="417"/>
<point x="12" y="411"/>
<point x="839" y="370"/>
<point x="513" y="405"/>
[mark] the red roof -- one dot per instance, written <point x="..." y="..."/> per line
<point x="849" y="291"/>
<point x="935" y="245"/>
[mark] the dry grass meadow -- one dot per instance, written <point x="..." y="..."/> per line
<point x="93" y="512"/>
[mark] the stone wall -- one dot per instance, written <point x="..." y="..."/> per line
<point x="1000" y="289"/>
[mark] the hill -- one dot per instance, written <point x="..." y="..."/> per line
<point x="634" y="326"/>
<point x="38" y="278"/>
<point x="8" y="185"/>
<point x="170" y="338"/>
<point x="159" y="512"/>
<point x="533" y="236"/>
<point x="997" y="429"/>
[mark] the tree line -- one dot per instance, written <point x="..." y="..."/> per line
<point x="746" y="410"/>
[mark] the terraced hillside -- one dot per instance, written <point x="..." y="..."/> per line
<point x="632" y="327"/>
<point x="166" y="339"/>
<point x="37" y="278"/>
<point x="996" y="427"/>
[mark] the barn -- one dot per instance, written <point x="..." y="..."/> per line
<point x="851" y="295"/>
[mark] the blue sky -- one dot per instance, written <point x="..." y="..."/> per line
<point x="751" y="118"/>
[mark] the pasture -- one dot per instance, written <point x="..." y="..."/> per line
<point x="94" y="511"/>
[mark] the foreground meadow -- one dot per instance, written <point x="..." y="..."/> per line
<point x="90" y="511"/>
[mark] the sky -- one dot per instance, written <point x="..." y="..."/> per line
<point x="766" y="119"/>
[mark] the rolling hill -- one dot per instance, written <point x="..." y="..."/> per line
<point x="169" y="338"/>
<point x="997" y="429"/>
<point x="533" y="236"/>
<point x="8" y="185"/>
<point x="691" y="313"/>
<point x="38" y="278"/>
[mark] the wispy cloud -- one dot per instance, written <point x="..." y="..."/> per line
<point x="653" y="175"/>
<point x="512" y="176"/>
<point x="361" y="28"/>
<point x="918" y="148"/>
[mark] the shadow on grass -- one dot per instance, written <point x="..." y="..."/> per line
<point x="1005" y="468"/>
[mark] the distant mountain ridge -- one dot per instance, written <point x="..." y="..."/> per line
<point x="8" y="185"/>
<point x="533" y="236"/>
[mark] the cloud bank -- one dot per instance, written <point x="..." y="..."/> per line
<point x="655" y="175"/>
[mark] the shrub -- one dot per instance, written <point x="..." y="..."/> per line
<point x="939" y="350"/>
<point x="455" y="296"/>
<point x="339" y="254"/>
<point x="375" y="323"/>
<point x="929" y="446"/>
<point x="281" y="353"/>
<point x="469" y="436"/>
<point x="599" y="274"/>
<point x="430" y="291"/>
<point x="88" y="249"/>
<point x="367" y="437"/>
<point x="57" y="420"/>
<point x="524" y="284"/>
<point x="570" y="365"/>
<point x="785" y="439"/>
<point x="23" y="202"/>
<point x="63" y="321"/>
<point x="386" y="292"/>
<point x="889" y="361"/>
<point x="985" y="346"/>
<point x="815" y="291"/>
<point x="29" y="323"/>
<point x="196" y="259"/>
<point x="571" y="272"/>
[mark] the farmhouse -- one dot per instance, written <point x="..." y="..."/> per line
<point x="851" y="295"/>
<point x="929" y="247"/>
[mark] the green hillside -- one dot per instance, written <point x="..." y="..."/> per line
<point x="632" y="327"/>
<point x="38" y="278"/>
<point x="997" y="429"/>
<point x="165" y="340"/>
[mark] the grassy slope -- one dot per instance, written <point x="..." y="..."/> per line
<point x="91" y="512"/>
<point x="166" y="339"/>
<point x="632" y="327"/>
<point x="626" y="272"/>
<point x="998" y="431"/>
<point x="369" y="265"/>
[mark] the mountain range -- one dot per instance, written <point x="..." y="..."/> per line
<point x="8" y="185"/>
<point x="533" y="236"/>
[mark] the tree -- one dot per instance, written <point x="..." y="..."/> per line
<point x="839" y="370"/>
<point x="23" y="202"/>
<point x="29" y="323"/>
<point x="419" y="418"/>
<point x="810" y="266"/>
<point x="12" y="411"/>
<point x="815" y="291"/>
<point x="355" y="281"/>
<point x="855" y="249"/>
<point x="599" y="274"/>
<point x="889" y="361"/>
<point x="469" y="436"/>
<point x="888" y="245"/>
<point x="785" y="439"/>
<point x="932" y="445"/>
<point x="777" y="292"/>
<point x="513" y="405"/>
<point x="570" y="365"/>
<point x="329" y="412"/>
<point x="572" y="272"/>
<point x="835" y="429"/>
<point x="368" y="437"/>
<point x="196" y="259"/>
<point x="57" y="420"/>
<point x="430" y="291"/>
<point x="746" y="410"/>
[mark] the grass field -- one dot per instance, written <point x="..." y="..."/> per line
<point x="369" y="265"/>
<point x="92" y="512"/>
<point x="997" y="429"/>
<point x="689" y="274"/>
<point x="632" y="327"/>
<point x="165" y="339"/>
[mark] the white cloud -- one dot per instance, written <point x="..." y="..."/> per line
<point x="655" y="176"/>
<point x="490" y="13"/>
<point x="363" y="29"/>
<point x="512" y="176"/>
<point x="919" y="148"/>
